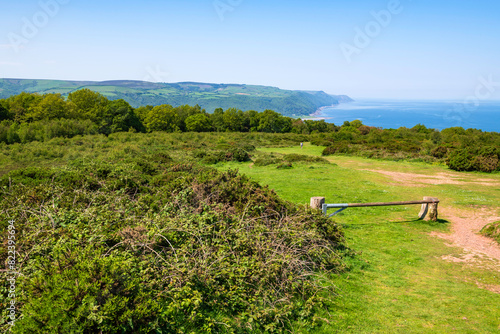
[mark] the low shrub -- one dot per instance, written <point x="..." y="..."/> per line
<point x="439" y="152"/>
<point x="239" y="154"/>
<point x="461" y="160"/>
<point x="485" y="159"/>
<point x="492" y="231"/>
<point x="303" y="158"/>
<point x="266" y="161"/>
<point x="247" y="147"/>
<point x="210" y="159"/>
<point x="336" y="148"/>
<point x="285" y="165"/>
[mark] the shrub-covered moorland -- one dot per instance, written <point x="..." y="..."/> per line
<point x="132" y="233"/>
<point x="29" y="117"/>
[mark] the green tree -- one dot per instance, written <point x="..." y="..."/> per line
<point x="233" y="120"/>
<point x="4" y="112"/>
<point x="356" y="124"/>
<point x="119" y="116"/>
<point x="143" y="111"/>
<point x="89" y="104"/>
<point x="271" y="121"/>
<point x="162" y="118"/>
<point x="52" y="106"/>
<point x="251" y="120"/>
<point x="217" y="120"/>
<point x="19" y="105"/>
<point x="186" y="111"/>
<point x="198" y="123"/>
<point x="300" y="127"/>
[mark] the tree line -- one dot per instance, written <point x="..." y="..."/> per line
<point x="30" y="116"/>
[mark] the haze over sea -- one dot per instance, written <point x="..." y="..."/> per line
<point x="433" y="114"/>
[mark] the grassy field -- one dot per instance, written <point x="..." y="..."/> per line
<point x="398" y="281"/>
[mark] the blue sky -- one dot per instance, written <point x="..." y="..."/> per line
<point x="420" y="50"/>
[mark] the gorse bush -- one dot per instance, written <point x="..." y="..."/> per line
<point x="304" y="158"/>
<point x="150" y="245"/>
<point x="267" y="160"/>
<point x="484" y="159"/>
<point x="338" y="147"/>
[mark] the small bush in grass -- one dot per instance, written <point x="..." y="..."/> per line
<point x="285" y="165"/>
<point x="210" y="159"/>
<point x="239" y="154"/>
<point x="304" y="158"/>
<point x="248" y="147"/>
<point x="200" y="154"/>
<point x="267" y="160"/>
<point x="338" y="147"/>
<point x="492" y="231"/>
<point x="486" y="164"/>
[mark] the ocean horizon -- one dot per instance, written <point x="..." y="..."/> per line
<point x="393" y="114"/>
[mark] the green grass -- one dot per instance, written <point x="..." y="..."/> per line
<point x="398" y="282"/>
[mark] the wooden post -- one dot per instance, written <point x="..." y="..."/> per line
<point x="433" y="208"/>
<point x="317" y="202"/>
<point x="423" y="210"/>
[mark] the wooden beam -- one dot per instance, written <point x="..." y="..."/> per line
<point x="429" y="205"/>
<point x="362" y="205"/>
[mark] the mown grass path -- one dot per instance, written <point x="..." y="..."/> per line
<point x="406" y="278"/>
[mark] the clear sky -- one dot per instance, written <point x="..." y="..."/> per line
<point x="418" y="49"/>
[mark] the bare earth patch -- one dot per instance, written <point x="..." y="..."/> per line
<point x="416" y="180"/>
<point x="479" y="251"/>
<point x="465" y="232"/>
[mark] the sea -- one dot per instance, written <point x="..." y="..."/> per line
<point x="482" y="115"/>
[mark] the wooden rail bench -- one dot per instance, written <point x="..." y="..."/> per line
<point x="429" y="206"/>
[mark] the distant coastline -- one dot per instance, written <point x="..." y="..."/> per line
<point x="318" y="114"/>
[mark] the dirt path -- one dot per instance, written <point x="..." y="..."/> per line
<point x="421" y="180"/>
<point x="466" y="224"/>
<point x="465" y="233"/>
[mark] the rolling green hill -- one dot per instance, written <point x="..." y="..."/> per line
<point x="208" y="96"/>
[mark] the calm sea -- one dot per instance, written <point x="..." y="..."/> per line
<point x="432" y="114"/>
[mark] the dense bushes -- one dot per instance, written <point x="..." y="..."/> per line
<point x="11" y="132"/>
<point x="484" y="159"/>
<point x="336" y="148"/>
<point x="211" y="157"/>
<point x="150" y="245"/>
<point x="462" y="150"/>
